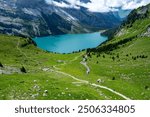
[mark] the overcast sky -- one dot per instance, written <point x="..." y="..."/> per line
<point x="102" y="5"/>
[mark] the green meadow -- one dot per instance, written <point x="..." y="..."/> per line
<point x="119" y="69"/>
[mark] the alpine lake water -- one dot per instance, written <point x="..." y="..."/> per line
<point x="69" y="43"/>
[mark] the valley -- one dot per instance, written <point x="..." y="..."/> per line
<point x="36" y="76"/>
<point x="122" y="78"/>
<point x="117" y="69"/>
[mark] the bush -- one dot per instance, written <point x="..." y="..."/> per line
<point x="113" y="58"/>
<point x="1" y="65"/>
<point x="146" y="87"/>
<point x="117" y="55"/>
<point x="89" y="55"/>
<point x="23" y="70"/>
<point x="113" y="78"/>
<point x="134" y="58"/>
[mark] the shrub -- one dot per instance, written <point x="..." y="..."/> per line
<point x="89" y="55"/>
<point x="113" y="78"/>
<point x="1" y="65"/>
<point x="23" y="70"/>
<point x="134" y="58"/>
<point x="117" y="55"/>
<point x="113" y="58"/>
<point x="146" y="87"/>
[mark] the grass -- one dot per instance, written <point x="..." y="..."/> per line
<point x="123" y="74"/>
<point x="131" y="76"/>
<point x="33" y="84"/>
<point x="123" y="69"/>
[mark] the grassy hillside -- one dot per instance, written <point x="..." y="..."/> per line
<point x="118" y="69"/>
<point x="42" y="80"/>
<point x="126" y="56"/>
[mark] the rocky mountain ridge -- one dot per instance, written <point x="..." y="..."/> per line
<point x="37" y="18"/>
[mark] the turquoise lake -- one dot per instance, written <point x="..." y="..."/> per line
<point x="69" y="43"/>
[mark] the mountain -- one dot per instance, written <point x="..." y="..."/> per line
<point x="38" y="18"/>
<point x="119" y="68"/>
<point x="136" y="25"/>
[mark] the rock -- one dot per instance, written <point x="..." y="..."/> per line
<point x="45" y="69"/>
<point x="9" y="70"/>
<point x="44" y="95"/>
<point x="1" y="71"/>
<point x="147" y="33"/>
<point x="100" y="81"/>
<point x="34" y="95"/>
<point x="45" y="91"/>
<point x="60" y="61"/>
<point x="69" y="94"/>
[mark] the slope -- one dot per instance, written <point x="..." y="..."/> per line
<point x="29" y="73"/>
<point x="119" y="68"/>
<point x="122" y="63"/>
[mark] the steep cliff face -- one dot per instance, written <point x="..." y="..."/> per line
<point x="37" y="18"/>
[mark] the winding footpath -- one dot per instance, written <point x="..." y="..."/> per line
<point x="86" y="66"/>
<point x="92" y="84"/>
<point x="73" y="77"/>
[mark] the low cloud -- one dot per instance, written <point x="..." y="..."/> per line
<point x="101" y="5"/>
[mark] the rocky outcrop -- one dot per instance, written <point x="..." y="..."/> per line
<point x="147" y="33"/>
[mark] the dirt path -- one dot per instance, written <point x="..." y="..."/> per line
<point x="92" y="84"/>
<point x="76" y="58"/>
<point x="73" y="77"/>
<point x="87" y="82"/>
<point x="111" y="90"/>
<point x="86" y="66"/>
